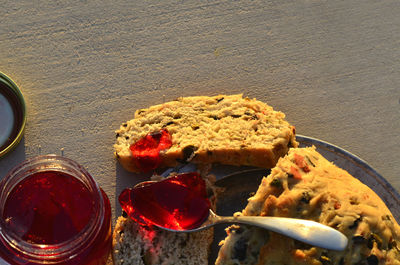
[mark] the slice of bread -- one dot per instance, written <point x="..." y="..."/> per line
<point x="305" y="185"/>
<point x="222" y="129"/>
<point x="134" y="244"/>
<point x="137" y="245"/>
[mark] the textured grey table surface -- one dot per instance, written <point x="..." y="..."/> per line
<point x="84" y="66"/>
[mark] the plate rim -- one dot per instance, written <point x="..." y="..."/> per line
<point x="302" y="139"/>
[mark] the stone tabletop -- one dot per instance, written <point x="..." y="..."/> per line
<point x="85" y="66"/>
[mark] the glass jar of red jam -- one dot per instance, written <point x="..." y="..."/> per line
<point x="53" y="212"/>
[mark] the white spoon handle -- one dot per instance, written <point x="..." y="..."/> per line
<point x="309" y="232"/>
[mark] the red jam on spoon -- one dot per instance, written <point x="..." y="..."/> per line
<point x="179" y="202"/>
<point x="146" y="151"/>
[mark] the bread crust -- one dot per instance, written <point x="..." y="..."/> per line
<point x="226" y="129"/>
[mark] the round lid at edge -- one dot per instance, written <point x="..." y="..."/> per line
<point x="12" y="115"/>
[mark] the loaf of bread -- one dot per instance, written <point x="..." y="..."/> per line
<point x="305" y="185"/>
<point x="222" y="129"/>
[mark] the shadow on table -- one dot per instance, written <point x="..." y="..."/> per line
<point x="12" y="159"/>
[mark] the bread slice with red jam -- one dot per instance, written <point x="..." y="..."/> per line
<point x="140" y="244"/>
<point x="226" y="129"/>
<point x="305" y="185"/>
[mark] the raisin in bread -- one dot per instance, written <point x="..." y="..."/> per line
<point x="305" y="185"/>
<point x="134" y="244"/>
<point x="222" y="129"/>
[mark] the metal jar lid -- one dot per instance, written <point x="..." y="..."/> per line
<point x="12" y="115"/>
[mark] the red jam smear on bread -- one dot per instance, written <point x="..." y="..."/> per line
<point x="146" y="151"/>
<point x="179" y="202"/>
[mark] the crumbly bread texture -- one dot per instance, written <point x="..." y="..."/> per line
<point x="137" y="245"/>
<point x="226" y="129"/>
<point x="134" y="244"/>
<point x="305" y="185"/>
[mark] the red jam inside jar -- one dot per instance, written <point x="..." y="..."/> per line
<point x="48" y="207"/>
<point x="53" y="212"/>
<point x="146" y="151"/>
<point x="179" y="202"/>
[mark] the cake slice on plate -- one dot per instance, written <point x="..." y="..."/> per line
<point x="305" y="185"/>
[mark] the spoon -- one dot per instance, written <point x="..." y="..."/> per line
<point x="146" y="197"/>
<point x="310" y="232"/>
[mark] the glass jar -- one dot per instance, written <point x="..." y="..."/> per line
<point x="53" y="212"/>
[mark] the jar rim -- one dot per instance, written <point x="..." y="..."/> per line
<point x="66" y="249"/>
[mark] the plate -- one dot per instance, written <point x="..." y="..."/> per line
<point x="240" y="183"/>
